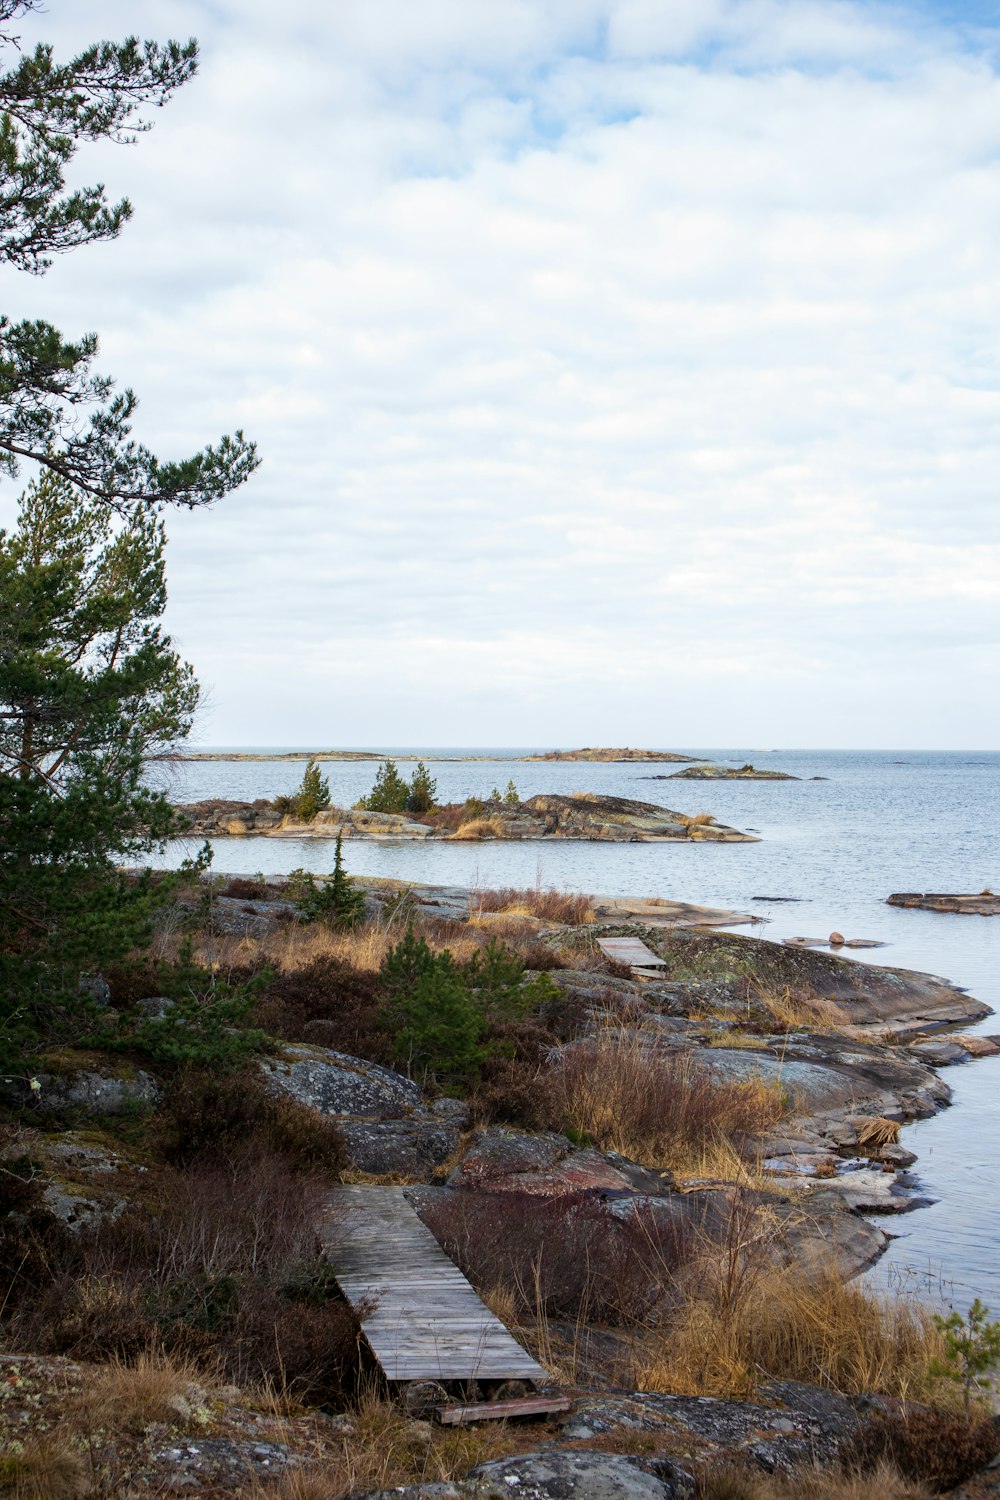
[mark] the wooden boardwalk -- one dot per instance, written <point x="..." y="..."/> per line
<point x="427" y="1322"/>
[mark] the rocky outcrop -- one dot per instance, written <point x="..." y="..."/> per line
<point x="386" y="1126"/>
<point x="583" y="816"/>
<point x="893" y="1002"/>
<point x="986" y="904"/>
<point x="731" y="773"/>
<point x="84" y="1088"/>
<point x="557" y="1474"/>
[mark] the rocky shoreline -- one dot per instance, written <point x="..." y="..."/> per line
<point x="583" y="816"/>
<point x="853" y="1047"/>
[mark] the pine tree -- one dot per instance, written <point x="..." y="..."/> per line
<point x="390" y="793"/>
<point x="89" y="688"/>
<point x="47" y="383"/>
<point x="313" y="794"/>
<point x="512" y="796"/>
<point x="338" y="902"/>
<point x="423" y="790"/>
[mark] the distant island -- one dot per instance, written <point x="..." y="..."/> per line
<point x="586" y="754"/>
<point x="731" y="773"/>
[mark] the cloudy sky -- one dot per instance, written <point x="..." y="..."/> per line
<point x="624" y="371"/>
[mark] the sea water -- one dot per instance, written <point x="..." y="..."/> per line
<point x="830" y="852"/>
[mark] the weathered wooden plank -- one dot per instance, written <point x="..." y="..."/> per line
<point x="631" y="951"/>
<point x="495" y="1411"/>
<point x="420" y="1316"/>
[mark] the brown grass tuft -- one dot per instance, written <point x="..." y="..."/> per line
<point x="551" y="905"/>
<point x="479" y="828"/>
<point x="668" y="1111"/>
<point x="47" y="1466"/>
<point x="132" y="1395"/>
<point x="741" y="1317"/>
<point x="875" y="1131"/>
<point x="728" y="1479"/>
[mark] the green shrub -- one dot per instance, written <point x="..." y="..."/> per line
<point x="201" y="1028"/>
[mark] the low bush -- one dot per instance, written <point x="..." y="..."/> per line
<point x="939" y="1449"/>
<point x="216" y="1265"/>
<point x="730" y="1479"/>
<point x="566" y="1257"/>
<point x="211" y="1120"/>
<point x="327" y="1002"/>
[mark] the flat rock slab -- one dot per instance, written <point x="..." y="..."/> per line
<point x="985" y="904"/>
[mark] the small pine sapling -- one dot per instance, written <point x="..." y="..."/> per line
<point x="512" y="796"/>
<point x="972" y="1347"/>
<point x="338" y="902"/>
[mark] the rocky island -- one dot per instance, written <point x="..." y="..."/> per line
<point x="581" y="816"/>
<point x="985" y="904"/>
<point x="731" y="773"/>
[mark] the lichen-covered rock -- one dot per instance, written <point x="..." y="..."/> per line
<point x="93" y="1091"/>
<point x="404" y="1148"/>
<point x="339" y="1085"/>
<point x="557" y="1475"/>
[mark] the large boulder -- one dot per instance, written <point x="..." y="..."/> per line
<point x="386" y="1126"/>
<point x="339" y="1085"/>
<point x="92" y="1089"/>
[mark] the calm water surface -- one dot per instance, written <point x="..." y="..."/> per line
<point x="881" y="822"/>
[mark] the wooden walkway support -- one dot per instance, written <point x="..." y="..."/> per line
<point x="425" y="1322"/>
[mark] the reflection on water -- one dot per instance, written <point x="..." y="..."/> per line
<point x="882" y="822"/>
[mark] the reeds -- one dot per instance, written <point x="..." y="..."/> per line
<point x="572" y="909"/>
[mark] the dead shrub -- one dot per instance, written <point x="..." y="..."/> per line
<point x="240" y="888"/>
<point x="876" y="1132"/>
<point x="507" y="1090"/>
<point x="664" y="1110"/>
<point x="551" y="905"/>
<point x="219" y="1265"/>
<point x="939" y="1449"/>
<point x="565" y="1257"/>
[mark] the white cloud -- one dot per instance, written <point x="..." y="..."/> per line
<point x="591" y="345"/>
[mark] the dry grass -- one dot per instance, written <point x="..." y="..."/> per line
<point x="550" y="905"/>
<point x="789" y="1012"/>
<point x="383" y="1448"/>
<point x="875" y="1132"/>
<point x="152" y="1388"/>
<point x="740" y="1317"/>
<point x="666" y="1111"/>
<point x="479" y="828"/>
<point x="293" y="947"/>
<point x="698" y="820"/>
<point x="46" y="1466"/>
<point x="729" y="1480"/>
